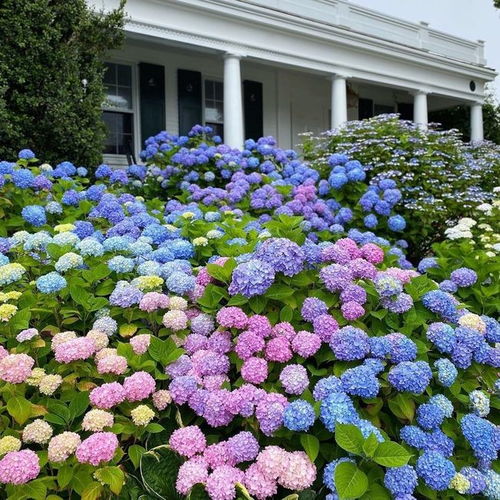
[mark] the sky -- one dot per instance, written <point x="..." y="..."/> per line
<point x="471" y="19"/>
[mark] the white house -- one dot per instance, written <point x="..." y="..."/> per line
<point x="279" y="67"/>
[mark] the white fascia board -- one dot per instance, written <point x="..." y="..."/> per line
<point x="278" y="38"/>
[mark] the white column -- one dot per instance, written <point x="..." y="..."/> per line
<point x="339" y="101"/>
<point x="476" y="122"/>
<point x="233" y="105"/>
<point x="420" y="108"/>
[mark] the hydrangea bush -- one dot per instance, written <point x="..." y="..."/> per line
<point x="221" y="324"/>
<point x="441" y="177"/>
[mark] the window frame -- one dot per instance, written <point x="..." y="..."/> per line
<point x="117" y="158"/>
<point x="211" y="78"/>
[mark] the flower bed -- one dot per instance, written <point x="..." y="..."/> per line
<point x="219" y="325"/>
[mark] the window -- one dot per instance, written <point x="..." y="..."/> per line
<point x="118" y="109"/>
<point x="214" y="106"/>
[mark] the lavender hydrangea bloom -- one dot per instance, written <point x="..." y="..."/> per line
<point x="283" y="255"/>
<point x="251" y="278"/>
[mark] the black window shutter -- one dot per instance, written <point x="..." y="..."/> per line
<point x="405" y="110"/>
<point x="365" y="109"/>
<point x="152" y="99"/>
<point x="252" y="106"/>
<point x="189" y="99"/>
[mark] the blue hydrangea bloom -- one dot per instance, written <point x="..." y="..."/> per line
<point x="326" y="386"/>
<point x="337" y="407"/>
<point x="51" y="283"/>
<point x="447" y="372"/>
<point x="180" y="283"/>
<point x="401" y="480"/>
<point x="410" y="376"/>
<point x="360" y="381"/>
<point x="429" y="416"/>
<point x="251" y="278"/>
<point x="299" y="416"/>
<point x="435" y="470"/>
<point x="35" y="215"/>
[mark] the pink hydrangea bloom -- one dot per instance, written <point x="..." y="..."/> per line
<point x="75" y="349"/>
<point x="283" y="329"/>
<point x="140" y="343"/>
<point x="107" y="395"/>
<point x="203" y="277"/>
<point x="190" y="473"/>
<point x="259" y="325"/>
<point x="254" y="370"/>
<point x="272" y="460"/>
<point x="306" y="344"/>
<point x="19" y="467"/>
<point x="299" y="472"/>
<point x="216" y="455"/>
<point x="161" y="399"/>
<point x="221" y="483"/>
<point x="60" y="338"/>
<point x="188" y="441"/>
<point x="352" y="310"/>
<point x="139" y="386"/>
<point x="3" y="352"/>
<point x="258" y="483"/>
<point x="16" y="368"/>
<point x="97" y="448"/>
<point x="152" y="301"/>
<point x="232" y="317"/>
<point x="175" y="320"/>
<point x="112" y="364"/>
<point x="248" y="344"/>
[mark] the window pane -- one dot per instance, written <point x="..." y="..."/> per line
<point x="124" y="75"/>
<point x="123" y="98"/>
<point x="218" y="129"/>
<point x="119" y="138"/>
<point x="219" y="89"/>
<point x="110" y="73"/>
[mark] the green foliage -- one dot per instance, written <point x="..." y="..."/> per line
<point x="48" y="48"/>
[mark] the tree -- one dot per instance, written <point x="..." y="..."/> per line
<point x="496" y="3"/>
<point x="459" y="117"/>
<point x="51" y="85"/>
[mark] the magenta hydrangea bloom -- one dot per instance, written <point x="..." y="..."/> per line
<point x="283" y="329"/>
<point x="372" y="253"/>
<point x="248" y="344"/>
<point x="254" y="370"/>
<point x="98" y="448"/>
<point x="19" y="467"/>
<point x="216" y="454"/>
<point x="260" y="325"/>
<point x="188" y="441"/>
<point x="232" y="317"/>
<point x="361" y="268"/>
<point x="107" y="395"/>
<point x="278" y="349"/>
<point x="306" y="344"/>
<point x="352" y="310"/>
<point x="139" y="386"/>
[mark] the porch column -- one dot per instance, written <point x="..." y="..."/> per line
<point x="476" y="122"/>
<point x="339" y="101"/>
<point x="420" y="108"/>
<point x="233" y="104"/>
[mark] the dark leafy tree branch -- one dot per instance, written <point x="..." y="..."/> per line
<point x="49" y="49"/>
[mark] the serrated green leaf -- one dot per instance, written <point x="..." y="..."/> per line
<point x="19" y="409"/>
<point x="310" y="444"/>
<point x="370" y="445"/>
<point x="390" y="454"/>
<point x="349" y="438"/>
<point x="92" y="491"/>
<point x="350" y="481"/>
<point x="135" y="453"/>
<point x="112" y="476"/>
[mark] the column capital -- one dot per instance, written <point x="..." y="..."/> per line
<point x="234" y="54"/>
<point x="339" y="76"/>
<point x="415" y="92"/>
